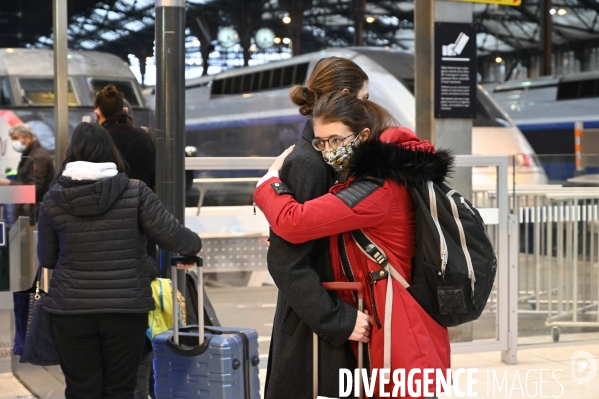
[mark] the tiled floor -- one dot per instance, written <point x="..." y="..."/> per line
<point x="11" y="388"/>
<point x="498" y="380"/>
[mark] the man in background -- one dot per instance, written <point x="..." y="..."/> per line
<point x="35" y="168"/>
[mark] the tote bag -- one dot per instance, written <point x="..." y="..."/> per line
<point x="34" y="338"/>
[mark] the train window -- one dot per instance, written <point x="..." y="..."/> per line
<point x="4" y="92"/>
<point x="265" y="81"/>
<point x="124" y="87"/>
<point x="247" y="83"/>
<point x="571" y="90"/>
<point x="287" y="76"/>
<point x="260" y="81"/>
<point x="301" y="73"/>
<point x="41" y="91"/>
<point x="487" y="113"/>
<point x="217" y="87"/>
<point x="236" y="84"/>
<point x="276" y="78"/>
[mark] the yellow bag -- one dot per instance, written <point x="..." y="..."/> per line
<point x="161" y="318"/>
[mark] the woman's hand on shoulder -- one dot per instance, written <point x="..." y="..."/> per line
<point x="278" y="163"/>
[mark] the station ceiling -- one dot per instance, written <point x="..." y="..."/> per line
<point x="127" y="26"/>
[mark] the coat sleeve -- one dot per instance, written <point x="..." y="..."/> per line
<point x="320" y="217"/>
<point x="163" y="228"/>
<point x="297" y="279"/>
<point x="47" y="244"/>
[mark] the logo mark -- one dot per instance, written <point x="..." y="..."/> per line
<point x="579" y="366"/>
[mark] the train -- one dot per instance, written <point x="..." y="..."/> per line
<point x="546" y="109"/>
<point x="27" y="93"/>
<point x="247" y="112"/>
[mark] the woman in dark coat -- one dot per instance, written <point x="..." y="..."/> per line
<point x="303" y="305"/>
<point x="134" y="143"/>
<point x="92" y="224"/>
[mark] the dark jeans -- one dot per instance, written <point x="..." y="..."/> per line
<point x="100" y="353"/>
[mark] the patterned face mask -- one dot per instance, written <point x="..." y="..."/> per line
<point x="338" y="158"/>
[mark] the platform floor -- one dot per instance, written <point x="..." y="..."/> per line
<point x="254" y="307"/>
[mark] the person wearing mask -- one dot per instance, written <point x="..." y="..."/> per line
<point x="374" y="163"/>
<point x="92" y="224"/>
<point x="134" y="143"/>
<point x="36" y="168"/>
<point x="303" y="305"/>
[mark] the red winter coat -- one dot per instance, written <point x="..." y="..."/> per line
<point x="386" y="214"/>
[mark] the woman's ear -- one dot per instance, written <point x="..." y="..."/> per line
<point x="364" y="134"/>
<point x="345" y="91"/>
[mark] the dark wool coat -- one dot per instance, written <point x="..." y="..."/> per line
<point x="36" y="167"/>
<point x="92" y="234"/>
<point x="304" y="306"/>
<point x="386" y="214"/>
<point x="136" y="147"/>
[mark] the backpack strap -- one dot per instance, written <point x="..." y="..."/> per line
<point x="376" y="254"/>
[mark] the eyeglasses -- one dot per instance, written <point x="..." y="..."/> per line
<point x="334" y="142"/>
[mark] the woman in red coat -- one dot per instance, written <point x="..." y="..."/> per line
<point x="375" y="163"/>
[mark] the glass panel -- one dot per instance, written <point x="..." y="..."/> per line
<point x="9" y="214"/>
<point x="41" y="91"/>
<point x="126" y="89"/>
<point x="4" y="92"/>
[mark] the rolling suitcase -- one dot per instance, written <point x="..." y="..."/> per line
<point x="338" y="286"/>
<point x="205" y="362"/>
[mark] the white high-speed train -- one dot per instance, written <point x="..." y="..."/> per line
<point x="27" y="92"/>
<point x="247" y="111"/>
<point x="546" y="108"/>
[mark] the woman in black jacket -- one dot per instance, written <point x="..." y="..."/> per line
<point x="92" y="224"/>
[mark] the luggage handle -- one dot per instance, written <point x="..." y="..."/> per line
<point x="177" y="260"/>
<point x="340" y="286"/>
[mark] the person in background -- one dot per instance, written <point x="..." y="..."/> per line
<point x="36" y="167"/>
<point x="134" y="143"/>
<point x="303" y="305"/>
<point x="91" y="233"/>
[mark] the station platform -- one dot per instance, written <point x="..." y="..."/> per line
<point x="489" y="365"/>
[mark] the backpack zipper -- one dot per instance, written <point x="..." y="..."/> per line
<point x="442" y="244"/>
<point x="456" y="216"/>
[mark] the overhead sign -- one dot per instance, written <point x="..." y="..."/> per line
<point x="455" y="70"/>
<point x="501" y="2"/>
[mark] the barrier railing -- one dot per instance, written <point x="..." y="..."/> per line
<point x="558" y="252"/>
<point x="229" y="223"/>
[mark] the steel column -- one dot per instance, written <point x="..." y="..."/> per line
<point x="170" y="113"/>
<point x="61" y="79"/>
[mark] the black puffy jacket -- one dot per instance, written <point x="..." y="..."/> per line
<point x="92" y="234"/>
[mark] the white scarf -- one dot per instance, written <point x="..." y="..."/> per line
<point x="82" y="170"/>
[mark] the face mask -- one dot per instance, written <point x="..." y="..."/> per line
<point x="18" y="146"/>
<point x="338" y="158"/>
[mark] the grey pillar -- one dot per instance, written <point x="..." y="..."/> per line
<point x="61" y="86"/>
<point x="170" y="113"/>
<point x="546" y="41"/>
<point x="424" y="26"/>
<point x="455" y="134"/>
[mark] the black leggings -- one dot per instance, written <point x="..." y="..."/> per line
<point x="100" y="353"/>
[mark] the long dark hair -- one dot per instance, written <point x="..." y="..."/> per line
<point x="354" y="113"/>
<point x="331" y="74"/>
<point x="109" y="100"/>
<point x="92" y="143"/>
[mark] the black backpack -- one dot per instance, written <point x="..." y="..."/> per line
<point x="455" y="263"/>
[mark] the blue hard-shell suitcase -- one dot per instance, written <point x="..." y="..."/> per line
<point x="223" y="366"/>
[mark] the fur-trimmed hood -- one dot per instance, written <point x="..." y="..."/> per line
<point x="399" y="155"/>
